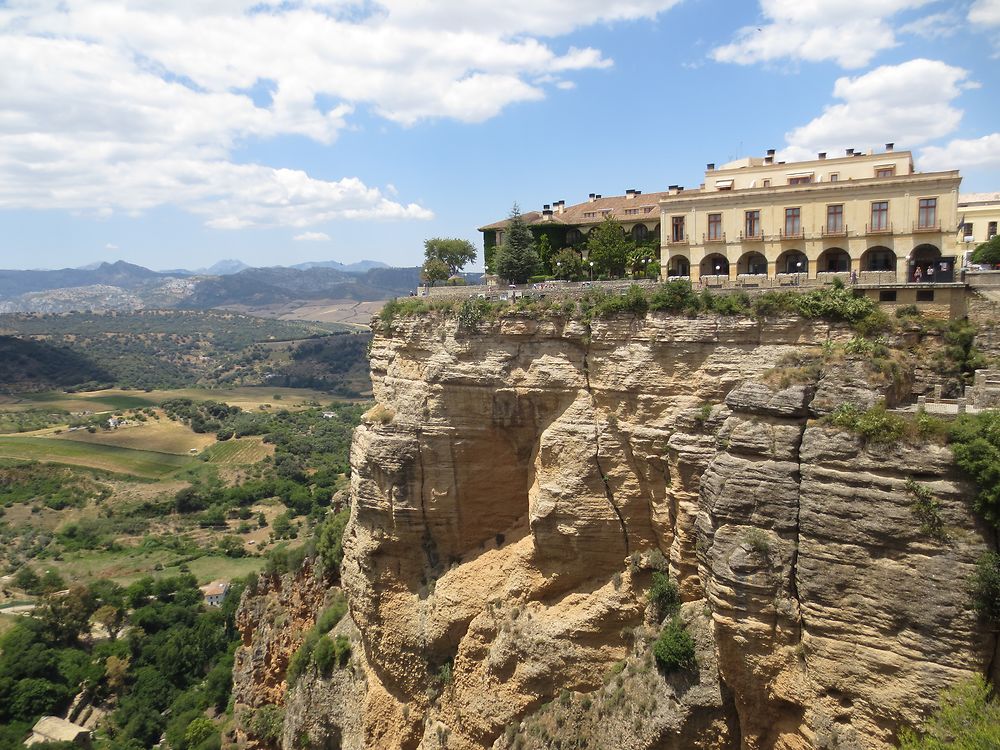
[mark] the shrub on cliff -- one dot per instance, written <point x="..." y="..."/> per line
<point x="331" y="652"/>
<point x="984" y="587"/>
<point x="674" y="649"/>
<point x="975" y="443"/>
<point x="876" y="425"/>
<point x="968" y="717"/>
<point x="663" y="595"/>
<point x="330" y="542"/>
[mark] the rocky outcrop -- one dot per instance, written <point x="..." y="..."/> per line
<point x="512" y="481"/>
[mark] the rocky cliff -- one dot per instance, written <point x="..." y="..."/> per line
<point x="516" y="485"/>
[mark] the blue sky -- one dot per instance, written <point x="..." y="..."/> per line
<point x="332" y="129"/>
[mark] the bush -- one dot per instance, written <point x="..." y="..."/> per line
<point x="333" y="614"/>
<point x="968" y="717"/>
<point x="267" y="722"/>
<point x="664" y="597"/>
<point x="330" y="541"/>
<point x="984" y="587"/>
<point x="927" y="510"/>
<point x="975" y="443"/>
<point x="758" y="542"/>
<point x="323" y="655"/>
<point x="674" y="649"/>
<point x="876" y="426"/>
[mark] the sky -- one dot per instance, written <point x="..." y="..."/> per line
<point x="175" y="134"/>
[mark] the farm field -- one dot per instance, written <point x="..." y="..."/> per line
<point x="239" y="452"/>
<point x="161" y="436"/>
<point x="246" y="397"/>
<point x="140" y="463"/>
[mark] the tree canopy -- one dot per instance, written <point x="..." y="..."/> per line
<point x="453" y="252"/>
<point x="516" y="259"/>
<point x="988" y="253"/>
<point x="433" y="270"/>
<point x="567" y="264"/>
<point x="608" y="247"/>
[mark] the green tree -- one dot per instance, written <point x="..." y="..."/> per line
<point x="453" y="252"/>
<point x="984" y="587"/>
<point x="198" y="731"/>
<point x="567" y="264"/>
<point x="544" y="249"/>
<point x="27" y="580"/>
<point x="674" y="649"/>
<point x="330" y="541"/>
<point x="968" y="717"/>
<point x="516" y="259"/>
<point x="433" y="270"/>
<point x="975" y="443"/>
<point x="988" y="253"/>
<point x="608" y="247"/>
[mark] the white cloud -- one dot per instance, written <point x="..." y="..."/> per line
<point x="312" y="237"/>
<point x="934" y="26"/>
<point x="909" y="104"/>
<point x="108" y="107"/>
<point x="985" y="12"/>
<point x="963" y="154"/>
<point x="817" y="30"/>
<point x="111" y="247"/>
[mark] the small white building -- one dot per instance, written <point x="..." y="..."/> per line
<point x="329" y="414"/>
<point x="54" y="729"/>
<point x="215" y="592"/>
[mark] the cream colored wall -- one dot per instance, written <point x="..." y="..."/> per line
<point x="751" y="173"/>
<point x="903" y="195"/>
<point x="980" y="218"/>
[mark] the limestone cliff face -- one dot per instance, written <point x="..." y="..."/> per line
<point x="514" y="486"/>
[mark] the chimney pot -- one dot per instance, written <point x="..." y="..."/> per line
<point x="770" y="152"/>
<point x="850" y="152"/>
<point x="598" y="195"/>
<point x="822" y="154"/>
<point x="546" y="207"/>
<point x="890" y="146"/>
<point x="710" y="166"/>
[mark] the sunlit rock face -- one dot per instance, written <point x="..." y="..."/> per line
<point x="515" y="485"/>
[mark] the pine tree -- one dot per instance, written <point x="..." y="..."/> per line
<point x="516" y="259"/>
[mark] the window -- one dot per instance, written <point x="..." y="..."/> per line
<point x="574" y="236"/>
<point x="835" y="218"/>
<point x="834" y="177"/>
<point x="965" y="230"/>
<point x="803" y="180"/>
<point x="793" y="222"/>
<point x="639" y="232"/>
<point x="885" y="172"/>
<point x="927" y="214"/>
<point x="499" y="238"/>
<point x="715" y="226"/>
<point x="767" y="183"/>
<point x="589" y="214"/>
<point x="752" y="228"/>
<point x="677" y="229"/>
<point x="887" y="296"/>
<point x="925" y="295"/>
<point x="991" y="230"/>
<point x="880" y="216"/>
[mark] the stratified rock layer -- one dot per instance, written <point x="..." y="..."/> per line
<point x="514" y="486"/>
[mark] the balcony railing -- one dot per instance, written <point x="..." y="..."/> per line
<point x="678" y="241"/>
<point x="835" y="231"/>
<point x="918" y="227"/>
<point x="759" y="237"/>
<point x="799" y="234"/>
<point x="709" y="238"/>
<point x="887" y="229"/>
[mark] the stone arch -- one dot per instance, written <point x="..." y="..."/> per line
<point x="878" y="258"/>
<point x="833" y="260"/>
<point x="923" y="257"/>
<point x="678" y="265"/>
<point x="752" y="263"/>
<point x="574" y="236"/>
<point x="640" y="233"/>
<point x="792" y="261"/>
<point x="715" y="264"/>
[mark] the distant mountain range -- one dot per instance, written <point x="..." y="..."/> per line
<point x="125" y="286"/>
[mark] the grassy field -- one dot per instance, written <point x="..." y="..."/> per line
<point x="116" y="400"/>
<point x="239" y="452"/>
<point x="124" y="567"/>
<point x="140" y="463"/>
<point x="161" y="436"/>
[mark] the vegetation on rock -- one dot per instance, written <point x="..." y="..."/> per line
<point x="968" y="718"/>
<point x="674" y="648"/>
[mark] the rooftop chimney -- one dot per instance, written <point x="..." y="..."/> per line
<point x="630" y="193"/>
<point x="769" y="159"/>
<point x="560" y="206"/>
<point x="770" y="152"/>
<point x="546" y="207"/>
<point x="889" y="147"/>
<point x="597" y="197"/>
<point x="710" y="167"/>
<point x="822" y="154"/>
<point x="592" y="197"/>
<point x="850" y="152"/>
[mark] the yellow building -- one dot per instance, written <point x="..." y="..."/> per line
<point x="759" y="219"/>
<point x="978" y="217"/>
